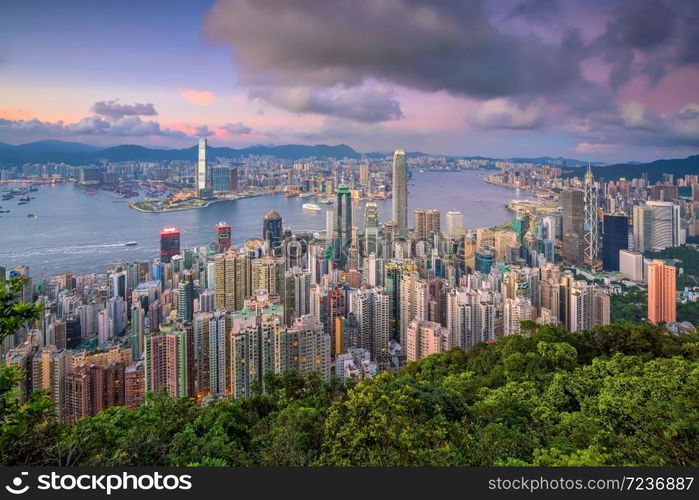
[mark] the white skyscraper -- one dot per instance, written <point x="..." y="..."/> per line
<point x="400" y="191"/>
<point x="455" y="224"/>
<point x="201" y="169"/>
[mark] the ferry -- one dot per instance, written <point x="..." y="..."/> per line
<point x="305" y="195"/>
<point x="32" y="215"/>
<point x="326" y="201"/>
<point x="22" y="203"/>
<point x="131" y="243"/>
<point x="311" y="206"/>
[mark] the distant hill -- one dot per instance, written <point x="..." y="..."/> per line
<point x="84" y="154"/>
<point x="655" y="169"/>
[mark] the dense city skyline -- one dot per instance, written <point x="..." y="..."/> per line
<point x="608" y="81"/>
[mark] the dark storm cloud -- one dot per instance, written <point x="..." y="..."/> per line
<point x="535" y="10"/>
<point x="369" y="105"/>
<point x="425" y="45"/>
<point x="665" y="37"/>
<point x="115" y="110"/>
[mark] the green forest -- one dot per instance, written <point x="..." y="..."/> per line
<point x="625" y="394"/>
<point x="615" y="395"/>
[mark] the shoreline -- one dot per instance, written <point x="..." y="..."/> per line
<point x="134" y="204"/>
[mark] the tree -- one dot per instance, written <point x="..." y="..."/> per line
<point x="22" y="423"/>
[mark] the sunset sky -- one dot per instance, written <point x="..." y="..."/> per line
<point x="600" y="80"/>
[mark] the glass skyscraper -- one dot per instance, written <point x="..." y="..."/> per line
<point x="400" y="191"/>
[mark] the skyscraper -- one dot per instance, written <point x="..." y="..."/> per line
<point x="202" y="174"/>
<point x="371" y="226"/>
<point x="169" y="243"/>
<point x="223" y="236"/>
<point x="425" y="222"/>
<point x="455" y="224"/>
<point x="591" y="222"/>
<point x="665" y="225"/>
<point x="231" y="280"/>
<point x="661" y="292"/>
<point x="272" y="231"/>
<point x="616" y="238"/>
<point x="573" y="202"/>
<point x="400" y="191"/>
<point x="165" y="361"/>
<point x="343" y="225"/>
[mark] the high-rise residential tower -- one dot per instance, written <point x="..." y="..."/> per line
<point x="272" y="231"/>
<point x="400" y="191"/>
<point x="662" y="302"/>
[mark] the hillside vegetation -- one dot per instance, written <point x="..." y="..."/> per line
<point x="615" y="395"/>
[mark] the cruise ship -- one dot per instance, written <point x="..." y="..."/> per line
<point x="311" y="206"/>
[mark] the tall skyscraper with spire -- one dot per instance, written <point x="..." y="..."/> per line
<point x="591" y="220"/>
<point x="400" y="191"/>
<point x="343" y="225"/>
<point x="202" y="174"/>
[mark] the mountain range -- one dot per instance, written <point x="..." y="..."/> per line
<point x="76" y="153"/>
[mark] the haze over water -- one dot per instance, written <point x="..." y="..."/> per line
<point x="82" y="233"/>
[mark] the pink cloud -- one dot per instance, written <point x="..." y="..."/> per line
<point x="200" y="97"/>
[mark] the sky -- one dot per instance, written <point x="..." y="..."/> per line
<point x="599" y="80"/>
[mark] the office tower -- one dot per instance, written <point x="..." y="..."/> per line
<point x="169" y="243"/>
<point x="138" y="330"/>
<point x="231" y="280"/>
<point x="591" y="220"/>
<point x="134" y="384"/>
<point x="202" y="174"/>
<point x="185" y="300"/>
<point x="515" y="311"/>
<point x="330" y="225"/>
<point x="504" y="241"/>
<point x="414" y="298"/>
<point x="484" y="261"/>
<point x="400" y="192"/>
<point x="255" y="346"/>
<point x="485" y="237"/>
<point x="272" y="231"/>
<point x="371" y="308"/>
<point x="631" y="264"/>
<point x="665" y="225"/>
<point x="642" y="228"/>
<point x="552" y="224"/>
<point x="573" y="203"/>
<point x="662" y="300"/>
<point x="520" y="225"/>
<point x="615" y="239"/>
<point x="455" y="224"/>
<point x="371" y="227"/>
<point x="307" y="348"/>
<point x="424" y="338"/>
<point x="223" y="236"/>
<point x="220" y="179"/>
<point x="470" y="246"/>
<point x="364" y="175"/>
<point x="342" y="226"/>
<point x="165" y="361"/>
<point x="233" y="185"/>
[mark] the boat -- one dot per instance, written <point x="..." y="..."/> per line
<point x="305" y="195"/>
<point x="311" y="206"/>
<point x="4" y="211"/>
<point x="32" y="215"/>
<point x="326" y="201"/>
<point x="22" y="203"/>
<point x="131" y="243"/>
